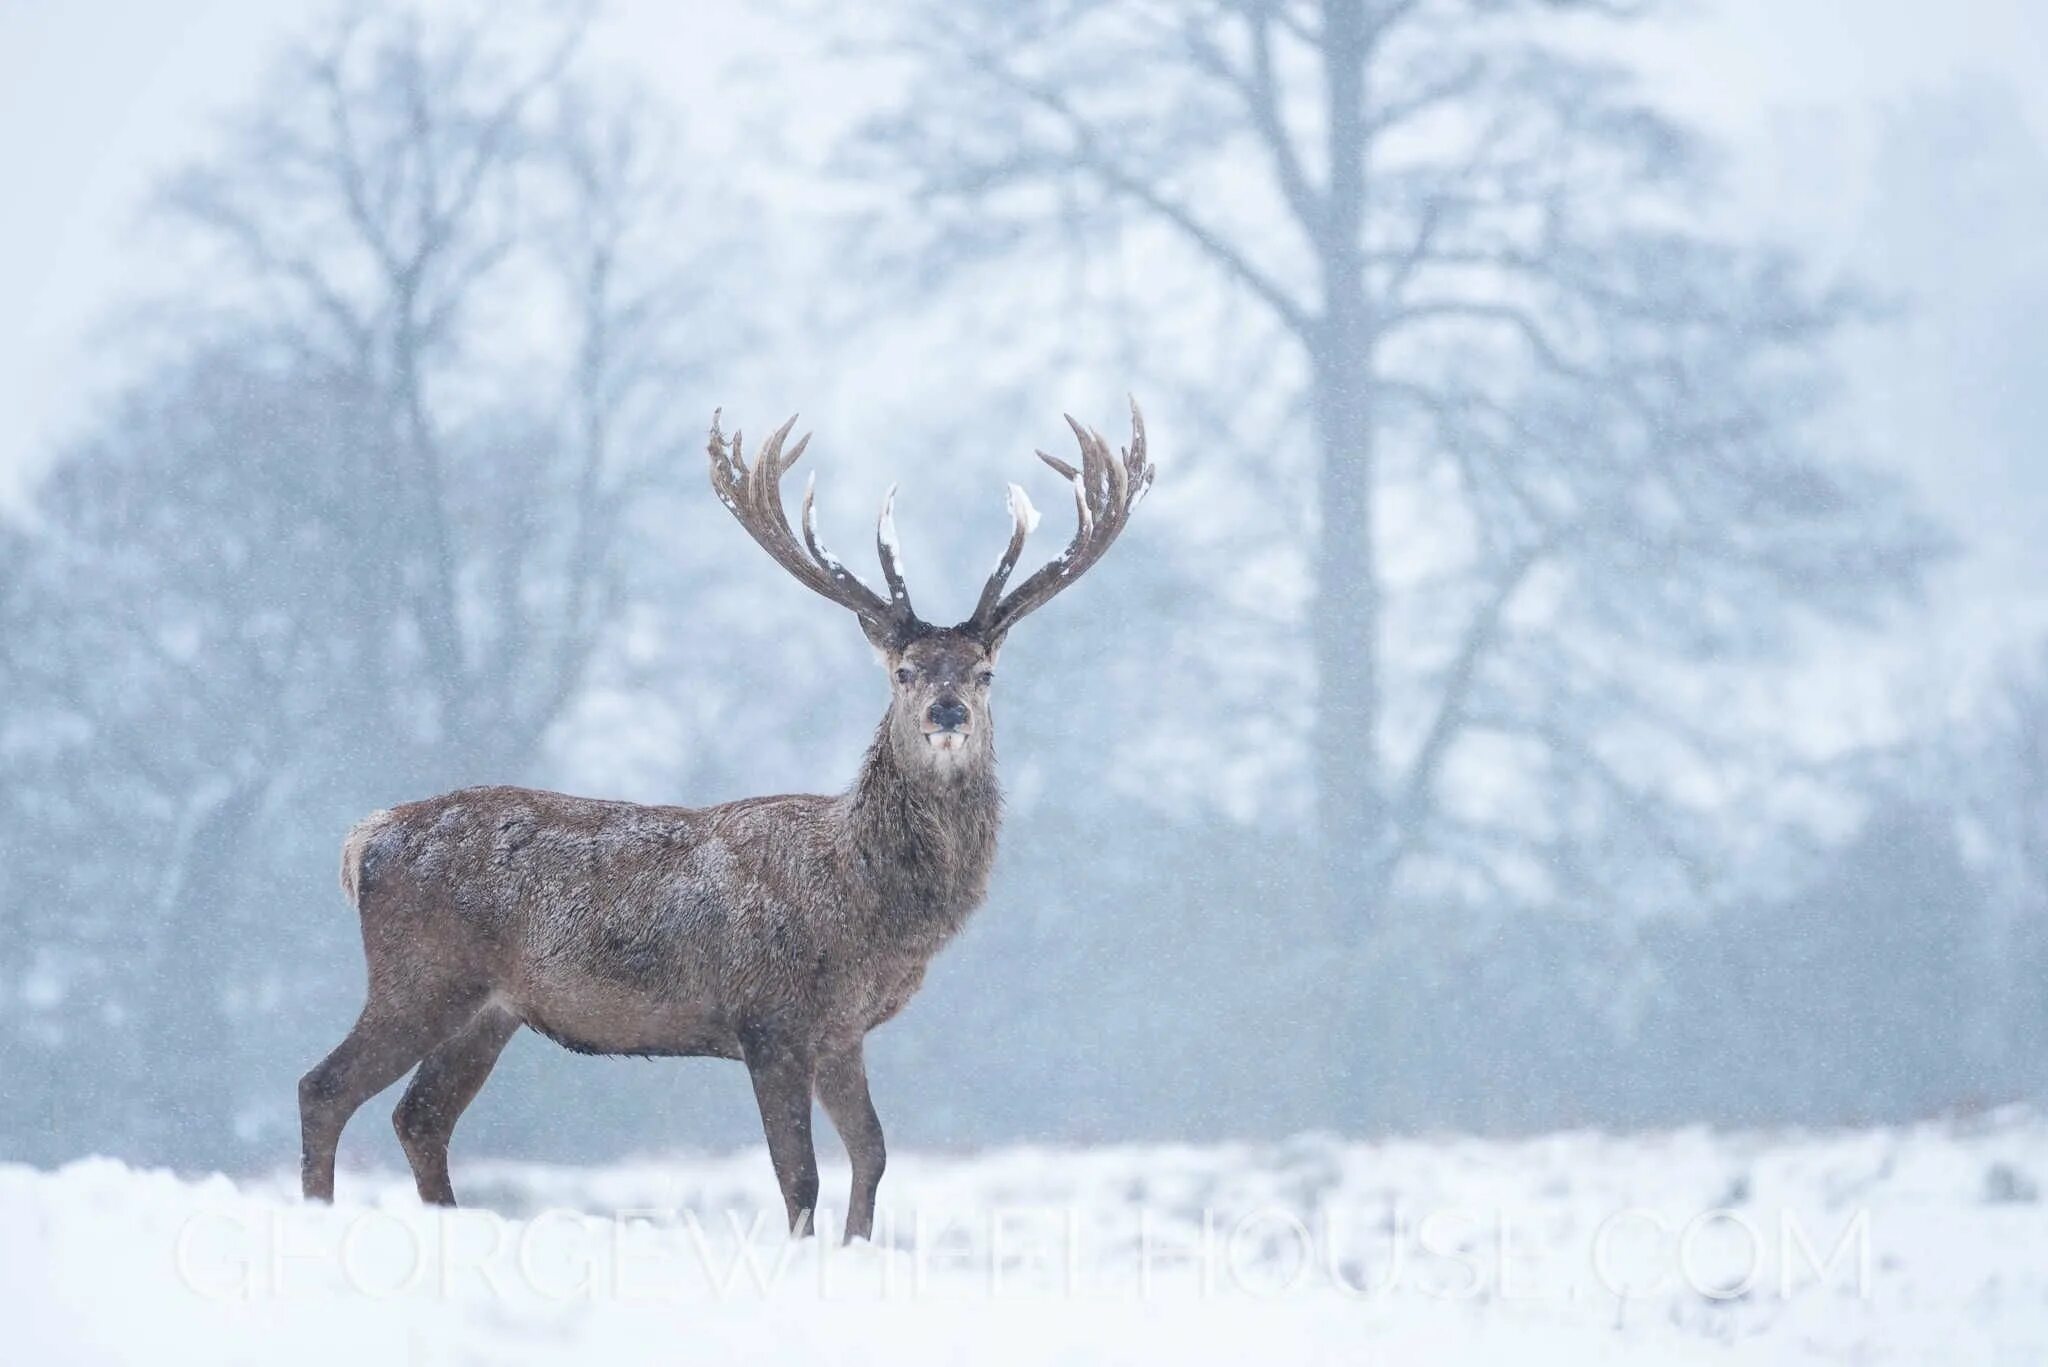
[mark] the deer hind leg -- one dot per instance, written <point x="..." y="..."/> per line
<point x="780" y="1065"/>
<point x="447" y="1081"/>
<point x="843" y="1087"/>
<point x="388" y="1039"/>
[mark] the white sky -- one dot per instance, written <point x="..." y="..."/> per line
<point x="100" y="97"/>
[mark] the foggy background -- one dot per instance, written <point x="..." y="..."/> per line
<point x="1582" y="663"/>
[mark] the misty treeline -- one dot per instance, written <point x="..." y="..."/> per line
<point x="1417" y="765"/>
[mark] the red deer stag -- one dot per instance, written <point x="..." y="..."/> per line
<point x="773" y="930"/>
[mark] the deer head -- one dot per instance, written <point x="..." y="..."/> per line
<point x="940" y="677"/>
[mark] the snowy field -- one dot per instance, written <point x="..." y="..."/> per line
<point x="1923" y="1244"/>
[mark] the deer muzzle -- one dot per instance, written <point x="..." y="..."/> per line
<point x="945" y="724"/>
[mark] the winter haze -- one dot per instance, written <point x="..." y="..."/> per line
<point x="1583" y="666"/>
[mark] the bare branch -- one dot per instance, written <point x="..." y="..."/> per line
<point x="1454" y="85"/>
<point x="1090" y="155"/>
<point x="1458" y="682"/>
<point x="1518" y="320"/>
<point x="1259" y="92"/>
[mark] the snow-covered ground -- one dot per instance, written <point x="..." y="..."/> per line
<point x="1922" y="1244"/>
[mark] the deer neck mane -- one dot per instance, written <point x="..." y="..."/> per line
<point x="925" y="832"/>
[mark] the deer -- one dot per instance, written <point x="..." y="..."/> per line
<point x="775" y="931"/>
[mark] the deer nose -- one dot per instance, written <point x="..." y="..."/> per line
<point x="948" y="714"/>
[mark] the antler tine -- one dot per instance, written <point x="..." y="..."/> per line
<point x="796" y="453"/>
<point x="1106" y="488"/>
<point x="721" y="454"/>
<point x="1023" y="521"/>
<point x="1094" y="458"/>
<point x="1134" y="454"/>
<point x="1066" y="471"/>
<point x="890" y="553"/>
<point x="1118" y="473"/>
<point x="1084" y="517"/>
<point x="820" y="553"/>
<point x="726" y="467"/>
<point x="766" y="471"/>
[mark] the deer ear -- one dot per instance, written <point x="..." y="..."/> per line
<point x="880" y="636"/>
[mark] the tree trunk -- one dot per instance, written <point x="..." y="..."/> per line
<point x="1352" y="835"/>
<point x="1351" y="810"/>
<point x="192" y="1086"/>
<point x="1345" y="610"/>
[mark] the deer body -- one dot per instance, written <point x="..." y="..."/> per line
<point x="774" y="930"/>
<point x="629" y="929"/>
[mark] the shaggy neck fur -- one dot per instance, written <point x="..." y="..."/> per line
<point x="925" y="826"/>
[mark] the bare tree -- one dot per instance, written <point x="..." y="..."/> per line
<point x="1559" y="434"/>
<point x="365" y="520"/>
<point x="394" y="231"/>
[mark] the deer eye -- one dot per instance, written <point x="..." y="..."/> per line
<point x="985" y="678"/>
<point x="905" y="674"/>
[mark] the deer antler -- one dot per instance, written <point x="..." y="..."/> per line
<point x="754" y="495"/>
<point x="1106" y="489"/>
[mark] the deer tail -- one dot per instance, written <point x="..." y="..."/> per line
<point x="361" y="834"/>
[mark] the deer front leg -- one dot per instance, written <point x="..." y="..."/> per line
<point x="843" y="1087"/>
<point x="780" y="1065"/>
